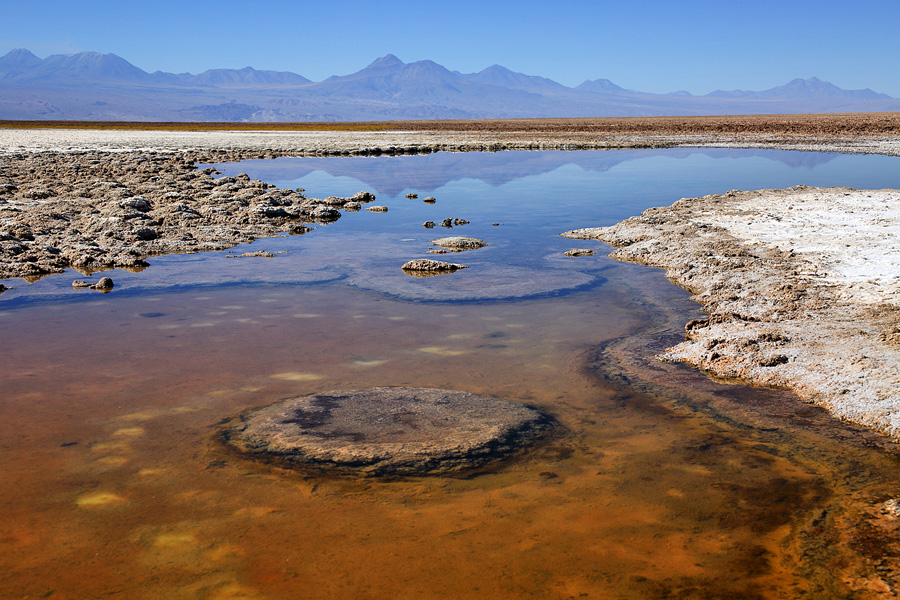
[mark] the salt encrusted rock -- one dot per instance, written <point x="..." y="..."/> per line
<point x="412" y="196"/>
<point x="457" y="242"/>
<point x="363" y="197"/>
<point x="104" y="284"/>
<point x="379" y="209"/>
<point x="387" y="431"/>
<point x="98" y="210"/>
<point x="79" y="284"/>
<point x="257" y="254"/>
<point x="426" y="264"/>
<point x="429" y="200"/>
<point x="579" y="252"/>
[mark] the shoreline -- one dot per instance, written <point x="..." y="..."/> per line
<point x="810" y="308"/>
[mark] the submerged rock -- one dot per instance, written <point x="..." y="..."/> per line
<point x="387" y="431"/>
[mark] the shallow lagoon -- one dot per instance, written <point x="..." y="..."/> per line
<point x="666" y="484"/>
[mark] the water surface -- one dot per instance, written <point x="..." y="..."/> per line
<point x="666" y="484"/>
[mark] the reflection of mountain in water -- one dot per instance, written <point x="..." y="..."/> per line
<point x="392" y="175"/>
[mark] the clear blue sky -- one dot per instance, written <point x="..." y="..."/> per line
<point x="649" y="45"/>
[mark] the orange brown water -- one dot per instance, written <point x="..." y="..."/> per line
<point x="111" y="484"/>
<point x="665" y="484"/>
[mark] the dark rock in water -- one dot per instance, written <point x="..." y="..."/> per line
<point x="579" y="252"/>
<point x="459" y="222"/>
<point x="104" y="285"/>
<point x="428" y="224"/>
<point x="431" y="266"/>
<point x="3" y="288"/>
<point x="387" y="431"/>
<point x="363" y="197"/>
<point x="257" y="254"/>
<point x="458" y="242"/>
<point x="429" y="200"/>
<point x="378" y="208"/>
<point x="448" y="223"/>
<point x="412" y="196"/>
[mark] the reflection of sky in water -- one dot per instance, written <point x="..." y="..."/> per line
<point x="534" y="196"/>
<point x="697" y="171"/>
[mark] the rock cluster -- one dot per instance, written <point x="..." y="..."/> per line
<point x="98" y="210"/>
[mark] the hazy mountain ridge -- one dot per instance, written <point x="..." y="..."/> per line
<point x="95" y="86"/>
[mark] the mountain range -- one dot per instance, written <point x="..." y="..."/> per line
<point x="95" y="86"/>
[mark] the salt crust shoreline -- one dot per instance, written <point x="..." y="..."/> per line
<point x="802" y="285"/>
<point x="802" y="288"/>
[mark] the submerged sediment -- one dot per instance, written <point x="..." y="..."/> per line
<point x="802" y="289"/>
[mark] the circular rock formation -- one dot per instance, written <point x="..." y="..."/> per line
<point x="387" y="431"/>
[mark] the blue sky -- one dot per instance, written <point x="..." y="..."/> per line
<point x="654" y="46"/>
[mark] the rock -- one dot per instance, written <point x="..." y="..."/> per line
<point x="428" y="224"/>
<point x="104" y="285"/>
<point x="460" y="222"/>
<point x="426" y="264"/>
<point x="495" y="224"/>
<point x="378" y="209"/>
<point x="429" y="200"/>
<point x="579" y="252"/>
<point x="412" y="196"/>
<point x="387" y="431"/>
<point x="3" y="288"/>
<point x="146" y="234"/>
<point x="80" y="284"/>
<point x="448" y="223"/>
<point x="325" y="214"/>
<point x="363" y="197"/>
<point x="459" y="243"/>
<point x="257" y="254"/>
<point x="137" y="203"/>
